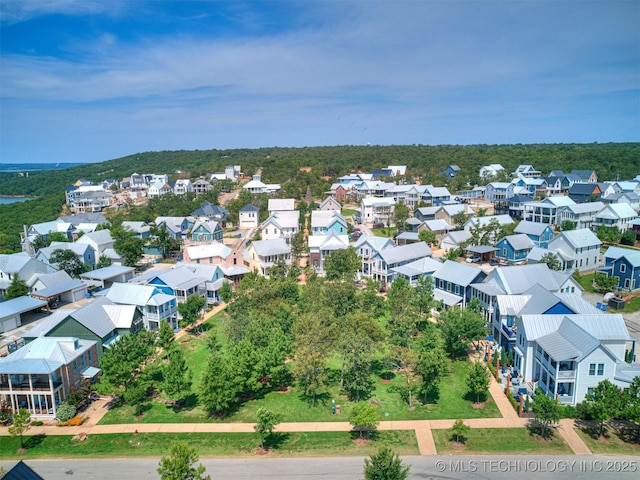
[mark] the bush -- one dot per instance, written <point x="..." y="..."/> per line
<point x="65" y="411"/>
<point x="512" y="400"/>
<point x="37" y="423"/>
<point x="72" y="422"/>
<point x="568" y="411"/>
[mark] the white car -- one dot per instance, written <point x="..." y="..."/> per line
<point x="473" y="259"/>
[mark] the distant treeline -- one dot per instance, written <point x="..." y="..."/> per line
<point x="284" y="166"/>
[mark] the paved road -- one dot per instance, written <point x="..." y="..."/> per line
<point x="437" y="468"/>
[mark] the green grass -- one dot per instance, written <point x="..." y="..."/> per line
<point x="619" y="439"/>
<point x="586" y="282"/>
<point x="293" y="407"/>
<point x="632" y="305"/>
<point x="500" y="441"/>
<point x="348" y="212"/>
<point x="208" y="445"/>
<point x="384" y="232"/>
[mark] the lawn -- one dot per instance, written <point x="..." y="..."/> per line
<point x="208" y="445"/>
<point x="384" y="232"/>
<point x="293" y="407"/>
<point x="481" y="441"/>
<point x="586" y="282"/>
<point x="618" y="439"/>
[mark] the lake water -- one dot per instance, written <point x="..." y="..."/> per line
<point x="5" y="200"/>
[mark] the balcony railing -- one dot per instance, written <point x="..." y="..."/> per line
<point x="566" y="374"/>
<point x="565" y="398"/>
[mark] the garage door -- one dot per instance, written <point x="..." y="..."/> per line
<point x="9" y="324"/>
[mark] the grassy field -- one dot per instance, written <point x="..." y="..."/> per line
<point x="293" y="407"/>
<point x="208" y="445"/>
<point x="500" y="440"/>
<point x="619" y="439"/>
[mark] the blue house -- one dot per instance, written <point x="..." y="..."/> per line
<point x="514" y="248"/>
<point x="624" y="264"/>
<point x="206" y="230"/>
<point x="539" y="233"/>
<point x="452" y="282"/>
<point x="451" y="171"/>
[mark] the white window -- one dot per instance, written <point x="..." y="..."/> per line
<point x="600" y="369"/>
<point x="623" y="268"/>
<point x="592" y="369"/>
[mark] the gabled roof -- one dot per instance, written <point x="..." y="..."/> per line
<point x="458" y="273"/>
<point x="580" y="238"/>
<point x="330" y="241"/>
<point x="100" y="237"/>
<point x="426" y="211"/>
<point x="265" y="248"/>
<point x="632" y="256"/>
<point x="281" y="204"/>
<point x="249" y="208"/>
<point x="531" y="228"/>
<point x="283" y="219"/>
<point x="617" y="211"/>
<point x="437" y="225"/>
<point x="422" y="266"/>
<point x="44" y="355"/>
<point x="518" y="279"/>
<point x="402" y="253"/>
<point x="78" y="248"/>
<point x="376" y="243"/>
<point x="131" y="294"/>
<point x="587" y="207"/>
<point x="107" y="272"/>
<point x="579" y="188"/>
<point x="518" y="241"/>
<point x="326" y="218"/>
<point x="457" y="236"/>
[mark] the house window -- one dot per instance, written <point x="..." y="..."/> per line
<point x="623" y="268"/>
<point x="504" y="252"/>
<point x="600" y="369"/>
<point x="75" y="366"/>
<point x="592" y="369"/>
<point x="82" y="361"/>
<point x="89" y="356"/>
<point x="590" y="391"/>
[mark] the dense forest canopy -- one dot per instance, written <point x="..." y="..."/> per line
<point x="278" y="164"/>
<point x="284" y="166"/>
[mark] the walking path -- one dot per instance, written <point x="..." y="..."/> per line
<point x="423" y="428"/>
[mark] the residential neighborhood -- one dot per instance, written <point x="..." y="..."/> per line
<point x="520" y="272"/>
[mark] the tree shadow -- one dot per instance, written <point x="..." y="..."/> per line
<point x="34" y="441"/>
<point x="367" y="434"/>
<point x="536" y="430"/>
<point x="276" y="440"/>
<point x="433" y="396"/>
<point x="475" y="398"/>
<point x="322" y="399"/>
<point x="590" y="427"/>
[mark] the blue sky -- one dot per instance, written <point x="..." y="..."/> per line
<point x="86" y="80"/>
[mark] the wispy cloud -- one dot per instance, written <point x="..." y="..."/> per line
<point x="335" y="72"/>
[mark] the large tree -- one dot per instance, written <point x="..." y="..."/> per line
<point x="400" y="215"/>
<point x="478" y="381"/>
<point x="176" y="376"/>
<point x="603" y="403"/>
<point x="190" y="309"/>
<point x="546" y="412"/>
<point x="363" y="416"/>
<point x="218" y="390"/>
<point x="17" y="288"/>
<point x="180" y="464"/>
<point x="68" y="261"/>
<point x="125" y="358"/>
<point x="127" y="244"/>
<point x="342" y="264"/>
<point x="631" y="404"/>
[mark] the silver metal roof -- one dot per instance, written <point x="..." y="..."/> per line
<point x="458" y="273"/>
<point x="19" y="305"/>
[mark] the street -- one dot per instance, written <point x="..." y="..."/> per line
<point x="351" y="468"/>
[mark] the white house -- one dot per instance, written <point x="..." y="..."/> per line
<point x="155" y="305"/>
<point x="321" y="246"/>
<point x="578" y="249"/>
<point x="283" y="224"/>
<point x="249" y="216"/>
<point x="377" y="210"/>
<point x="566" y="356"/>
<point x="615" y="215"/>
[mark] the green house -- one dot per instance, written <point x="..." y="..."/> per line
<point x="101" y="320"/>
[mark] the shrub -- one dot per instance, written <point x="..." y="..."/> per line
<point x="65" y="411"/>
<point x="72" y="422"/>
<point x="512" y="401"/>
<point x="37" y="423"/>
<point x="568" y="411"/>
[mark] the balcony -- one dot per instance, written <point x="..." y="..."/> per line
<point x="566" y="374"/>
<point x="511" y="334"/>
<point x="568" y="399"/>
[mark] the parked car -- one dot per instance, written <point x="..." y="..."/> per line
<point x="473" y="259"/>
